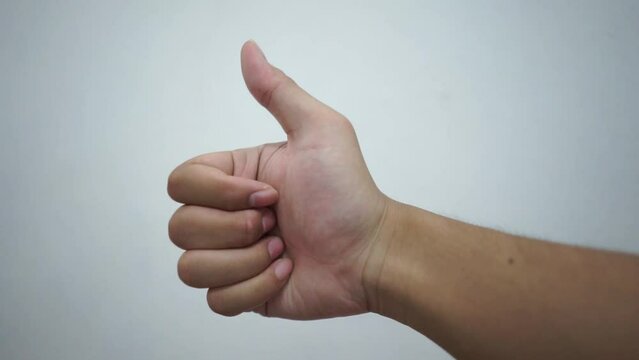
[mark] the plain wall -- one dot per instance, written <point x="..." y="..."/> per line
<point x="517" y="115"/>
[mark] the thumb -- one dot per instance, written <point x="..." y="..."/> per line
<point x="295" y="110"/>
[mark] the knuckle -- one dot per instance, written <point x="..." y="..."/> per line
<point x="343" y="122"/>
<point x="218" y="306"/>
<point x="184" y="269"/>
<point x="174" y="184"/>
<point x="177" y="227"/>
<point x="252" y="226"/>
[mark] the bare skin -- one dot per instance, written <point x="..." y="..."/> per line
<point x="299" y="230"/>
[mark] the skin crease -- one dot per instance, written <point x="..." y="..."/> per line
<point x="347" y="249"/>
<point x="329" y="208"/>
<point x="326" y="214"/>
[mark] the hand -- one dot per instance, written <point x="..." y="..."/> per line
<point x="309" y="200"/>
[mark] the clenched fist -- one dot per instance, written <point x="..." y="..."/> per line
<point x="287" y="229"/>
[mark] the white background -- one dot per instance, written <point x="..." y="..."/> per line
<point x="517" y="115"/>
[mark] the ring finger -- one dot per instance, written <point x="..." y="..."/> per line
<point x="214" y="268"/>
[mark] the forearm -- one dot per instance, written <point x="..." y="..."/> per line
<point x="481" y="293"/>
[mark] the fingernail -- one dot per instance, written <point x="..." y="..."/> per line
<point x="263" y="197"/>
<point x="268" y="220"/>
<point x="275" y="247"/>
<point x="283" y="269"/>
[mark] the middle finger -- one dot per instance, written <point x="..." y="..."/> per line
<point x="197" y="227"/>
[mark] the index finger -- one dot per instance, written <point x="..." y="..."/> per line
<point x="207" y="181"/>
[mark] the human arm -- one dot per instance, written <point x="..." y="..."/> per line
<point x="299" y="230"/>
<point x="480" y="293"/>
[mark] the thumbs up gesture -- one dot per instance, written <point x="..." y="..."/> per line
<point x="288" y="229"/>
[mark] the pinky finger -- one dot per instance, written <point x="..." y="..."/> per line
<point x="247" y="295"/>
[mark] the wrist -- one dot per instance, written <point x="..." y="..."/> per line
<point x="407" y="263"/>
<point x="384" y="253"/>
